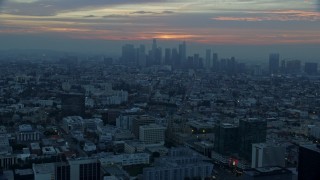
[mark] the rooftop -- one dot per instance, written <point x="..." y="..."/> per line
<point x="43" y="168"/>
<point x="267" y="171"/>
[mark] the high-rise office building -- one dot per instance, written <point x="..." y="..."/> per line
<point x="293" y="67"/>
<point x="226" y="139"/>
<point x="208" y="62"/>
<point x="215" y="62"/>
<point x="311" y="68"/>
<point x="196" y="61"/>
<point x="175" y="58"/>
<point x="309" y="162"/>
<point x="274" y="63"/>
<point x="142" y="58"/>
<point x="167" y="56"/>
<point x="154" y="45"/>
<point x="84" y="169"/>
<point x="158" y="56"/>
<point x="267" y="155"/>
<point x="283" y="66"/>
<point x="128" y="54"/>
<point x="251" y="130"/>
<point x="73" y="104"/>
<point x="62" y="171"/>
<point x="183" y="53"/>
<point x="231" y="65"/>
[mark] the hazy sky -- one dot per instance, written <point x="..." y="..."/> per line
<point x="103" y="25"/>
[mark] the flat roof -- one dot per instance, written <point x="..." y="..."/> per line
<point x="312" y="147"/>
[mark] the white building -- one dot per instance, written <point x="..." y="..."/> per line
<point x="134" y="146"/>
<point x="93" y="124"/>
<point x="44" y="171"/>
<point x="72" y="123"/>
<point x="26" y="133"/>
<point x="117" y="98"/>
<point x="126" y="159"/>
<point x="264" y="155"/>
<point x="152" y="134"/>
<point x="48" y="150"/>
<point x="89" y="147"/>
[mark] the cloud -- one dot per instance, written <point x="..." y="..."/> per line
<point x="143" y="12"/>
<point x="50" y="7"/>
<point x="285" y="15"/>
<point x="90" y="16"/>
<point x="152" y="12"/>
<point x="115" y="16"/>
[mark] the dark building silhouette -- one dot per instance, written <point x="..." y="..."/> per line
<point x="231" y="66"/>
<point x="109" y="116"/>
<point x="84" y="169"/>
<point x="215" y="62"/>
<point x="175" y="58"/>
<point x="208" y="62"/>
<point x="62" y="171"/>
<point x="293" y="67"/>
<point x="196" y="61"/>
<point x="158" y="56"/>
<point x="252" y="130"/>
<point x="167" y="56"/>
<point x="309" y="162"/>
<point x="141" y="56"/>
<point x="226" y="139"/>
<point x="128" y="54"/>
<point x="23" y="174"/>
<point x="283" y="66"/>
<point x="73" y="104"/>
<point x="183" y="53"/>
<point x="311" y="68"/>
<point x="274" y="63"/>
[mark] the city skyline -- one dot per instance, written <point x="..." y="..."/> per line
<point x="100" y="25"/>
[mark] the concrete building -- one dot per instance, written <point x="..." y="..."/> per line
<point x="181" y="163"/>
<point x="140" y="121"/>
<point x="276" y="173"/>
<point x="7" y="160"/>
<point x="72" y="123"/>
<point x="274" y="63"/>
<point x="265" y="155"/>
<point x="152" y="134"/>
<point x="126" y="159"/>
<point x="44" y="171"/>
<point x="27" y="133"/>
